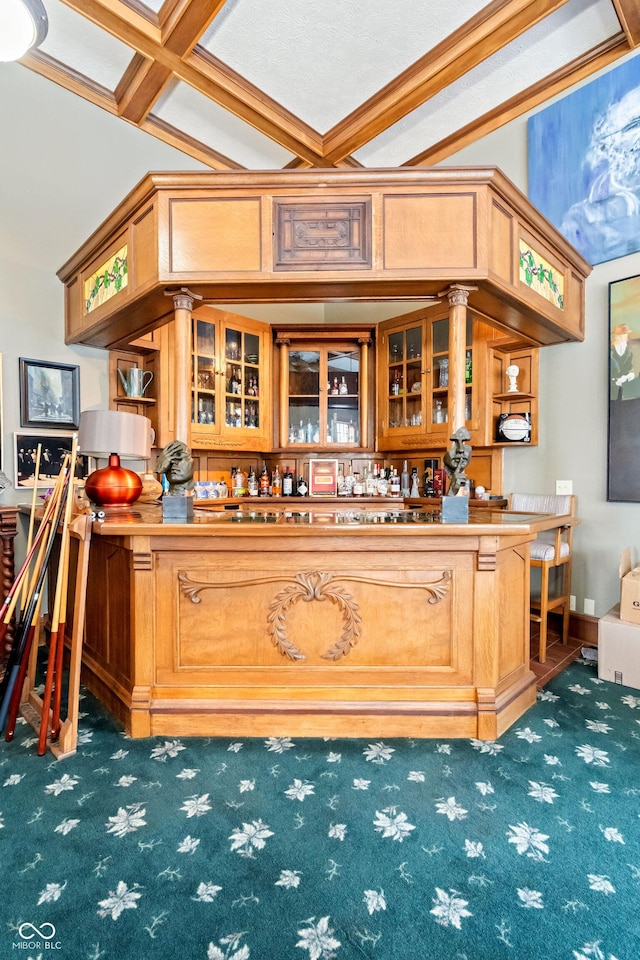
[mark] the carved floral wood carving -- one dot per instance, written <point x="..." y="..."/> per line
<point x="314" y="585"/>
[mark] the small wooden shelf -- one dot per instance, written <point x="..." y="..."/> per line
<point x="134" y="400"/>
<point x="513" y="396"/>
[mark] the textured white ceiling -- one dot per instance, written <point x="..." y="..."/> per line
<point x="84" y="47"/>
<point x="322" y="58"/>
<point x="549" y="45"/>
<point x="269" y="83"/>
<point x="186" y="109"/>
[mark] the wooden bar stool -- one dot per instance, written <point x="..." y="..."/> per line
<point x="552" y="549"/>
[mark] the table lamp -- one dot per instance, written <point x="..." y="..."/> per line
<point x="114" y="435"/>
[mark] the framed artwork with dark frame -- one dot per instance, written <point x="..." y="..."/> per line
<point x="623" y="475"/>
<point x="49" y="395"/>
<point x="53" y="448"/>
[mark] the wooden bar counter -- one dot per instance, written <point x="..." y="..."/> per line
<point x="268" y="621"/>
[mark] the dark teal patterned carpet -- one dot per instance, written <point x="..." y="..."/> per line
<point x="318" y="849"/>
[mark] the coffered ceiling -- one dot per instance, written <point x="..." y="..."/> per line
<point x="263" y="84"/>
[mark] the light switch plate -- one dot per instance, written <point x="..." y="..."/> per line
<point x="564" y="487"/>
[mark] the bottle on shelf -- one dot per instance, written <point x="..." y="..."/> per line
<point x="264" y="482"/>
<point x="302" y="487"/>
<point x="252" y="483"/>
<point x="239" y="483"/>
<point x="343" y="389"/>
<point x="276" y="483"/>
<point x="335" y="389"/>
<point x="414" y="491"/>
<point x="301" y="433"/>
<point x="287" y="483"/>
<point x="358" y="487"/>
<point x="405" y="480"/>
<point x="468" y="367"/>
<point x="394" y="484"/>
<point x="309" y="431"/>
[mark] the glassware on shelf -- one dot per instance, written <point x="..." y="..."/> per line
<point x="443" y="372"/>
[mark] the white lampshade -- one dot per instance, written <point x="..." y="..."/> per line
<point x="103" y="432"/>
<point x="23" y="26"/>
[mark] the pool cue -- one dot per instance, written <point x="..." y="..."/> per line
<point x="36" y="586"/>
<point x="59" y="621"/>
<point x="11" y="600"/>
<point x="32" y="518"/>
<point x="55" y="641"/>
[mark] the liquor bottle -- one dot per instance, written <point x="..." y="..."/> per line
<point x="394" y="484"/>
<point x="276" y="483"/>
<point x="335" y="388"/>
<point x="405" y="480"/>
<point x="302" y="487"/>
<point x="252" y="483"/>
<point x="264" y="482"/>
<point x="239" y="484"/>
<point x="343" y="389"/>
<point x="415" y="491"/>
<point x="287" y="483"/>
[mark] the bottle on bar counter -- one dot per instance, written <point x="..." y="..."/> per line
<point x="276" y="483"/>
<point x="252" y="483"/>
<point x="287" y="483"/>
<point x="264" y="482"/>
<point x="405" y="481"/>
<point x="394" y="484"/>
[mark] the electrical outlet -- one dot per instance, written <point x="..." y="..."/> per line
<point x="572" y="602"/>
<point x="589" y="607"/>
<point x="564" y="487"/>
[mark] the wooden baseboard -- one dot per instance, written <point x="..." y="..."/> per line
<point x="585" y="628"/>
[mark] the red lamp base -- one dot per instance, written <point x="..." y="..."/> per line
<point x="113" y="486"/>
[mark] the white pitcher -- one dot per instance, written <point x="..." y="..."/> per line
<point x="135" y="381"/>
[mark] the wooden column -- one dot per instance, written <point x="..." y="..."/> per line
<point x="283" y="345"/>
<point x="182" y="361"/>
<point x="364" y="390"/>
<point x="458" y="296"/>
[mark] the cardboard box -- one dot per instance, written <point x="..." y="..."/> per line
<point x="629" y="588"/>
<point x="618" y="649"/>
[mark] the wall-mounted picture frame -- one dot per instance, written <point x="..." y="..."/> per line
<point x="590" y="190"/>
<point x="52" y="450"/>
<point x="49" y="395"/>
<point x="623" y="476"/>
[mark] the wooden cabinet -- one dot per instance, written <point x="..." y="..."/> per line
<point x="230" y="382"/>
<point x="413" y="379"/>
<point x="324" y="388"/>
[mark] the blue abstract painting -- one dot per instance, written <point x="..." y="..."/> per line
<point x="584" y="164"/>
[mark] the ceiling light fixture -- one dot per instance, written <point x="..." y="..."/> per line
<point x="23" y="26"/>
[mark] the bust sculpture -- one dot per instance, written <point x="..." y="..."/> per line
<point x="456" y="460"/>
<point x="512" y="372"/>
<point x="176" y="463"/>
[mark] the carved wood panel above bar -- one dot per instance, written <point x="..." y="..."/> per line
<point x="322" y="236"/>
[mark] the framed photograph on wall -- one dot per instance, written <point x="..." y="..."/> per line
<point x="623" y="476"/>
<point x="49" y="395"/>
<point x="53" y="448"/>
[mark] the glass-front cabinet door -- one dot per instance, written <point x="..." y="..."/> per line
<point x="230" y="379"/>
<point x="413" y="378"/>
<point x="323" y="396"/>
<point x="326" y="392"/>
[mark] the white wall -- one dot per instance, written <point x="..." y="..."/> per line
<point x="64" y="165"/>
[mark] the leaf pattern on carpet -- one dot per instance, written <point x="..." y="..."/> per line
<point x="331" y="849"/>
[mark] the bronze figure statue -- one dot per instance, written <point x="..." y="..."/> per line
<point x="176" y="463"/>
<point x="455" y="461"/>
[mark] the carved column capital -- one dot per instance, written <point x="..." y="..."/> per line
<point x="457" y="294"/>
<point x="183" y="299"/>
